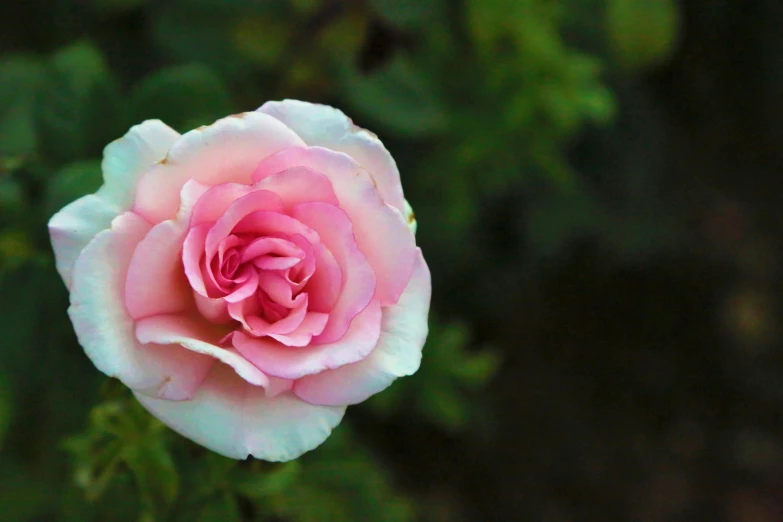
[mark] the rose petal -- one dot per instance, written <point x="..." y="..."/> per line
<point x="312" y="324"/>
<point x="336" y="232"/>
<point x="265" y="223"/>
<point x="259" y="327"/>
<point x="124" y="161"/>
<point x="156" y="282"/>
<point x="237" y="420"/>
<point x="105" y="329"/>
<point x="260" y="200"/>
<point x="197" y="336"/>
<point x="298" y="185"/>
<point x="73" y="227"/>
<point x="328" y="127"/>
<point x="326" y="281"/>
<point x="292" y="363"/>
<point x="397" y="354"/>
<point x="287" y="254"/>
<point x="192" y="255"/>
<point x="227" y="151"/>
<point x="381" y="231"/>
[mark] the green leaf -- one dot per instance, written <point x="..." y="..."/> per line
<point x="258" y="484"/>
<point x="71" y="183"/>
<point x="221" y="509"/>
<point x="122" y="436"/>
<point x="400" y="97"/>
<point x="79" y="109"/>
<point x="479" y="368"/>
<point x="444" y="405"/>
<point x="340" y="482"/>
<point x="21" y="78"/>
<point x="183" y="96"/>
<point x="154" y="471"/>
<point x="642" y="33"/>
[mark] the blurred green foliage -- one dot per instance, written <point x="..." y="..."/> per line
<point x="472" y="98"/>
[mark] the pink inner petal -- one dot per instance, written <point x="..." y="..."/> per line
<point x="336" y="232"/>
<point x="277" y="288"/>
<point x="214" y="310"/>
<point x="274" y="358"/>
<point x="261" y="200"/>
<point x="326" y="280"/>
<point x="267" y="223"/>
<point x="259" y="327"/>
<point x="298" y="185"/>
<point x="381" y="230"/>
<point x="156" y="282"/>
<point x="193" y="255"/>
<point x="312" y="324"/>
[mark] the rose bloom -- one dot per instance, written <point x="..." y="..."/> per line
<point x="250" y="279"/>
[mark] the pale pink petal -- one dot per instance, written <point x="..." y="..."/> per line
<point x="188" y="198"/>
<point x="238" y="420"/>
<point x="278" y="386"/>
<point x="382" y="233"/>
<point x="156" y="282"/>
<point x="397" y="354"/>
<point x="106" y="330"/>
<point x="336" y="232"/>
<point x="328" y="127"/>
<point x="292" y="363"/>
<point x="198" y="336"/>
<point x="214" y="310"/>
<point x="216" y="200"/>
<point x="227" y="151"/>
<point x="298" y="185"/>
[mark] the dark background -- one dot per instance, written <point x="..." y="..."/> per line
<point x="597" y="189"/>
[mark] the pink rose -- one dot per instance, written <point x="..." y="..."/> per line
<point x="250" y="279"/>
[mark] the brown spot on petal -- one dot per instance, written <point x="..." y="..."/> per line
<point x="411" y="218"/>
<point x="164" y="161"/>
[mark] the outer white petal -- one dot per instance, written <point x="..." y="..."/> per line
<point x="398" y="352"/>
<point x="75" y="226"/>
<point x="330" y="128"/>
<point x="124" y="160"/>
<point x="237" y="420"/>
<point x="105" y="329"/>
